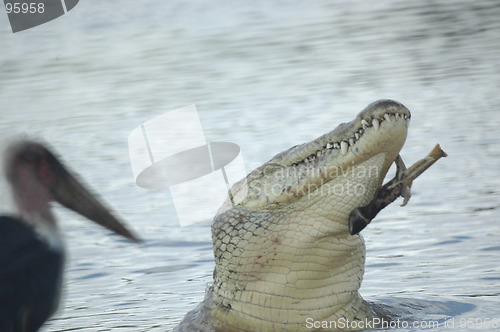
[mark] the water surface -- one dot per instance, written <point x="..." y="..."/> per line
<point x="266" y="76"/>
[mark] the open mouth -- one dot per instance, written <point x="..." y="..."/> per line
<point x="343" y="145"/>
<point x="380" y="129"/>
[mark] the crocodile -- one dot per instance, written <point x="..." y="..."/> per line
<point x="285" y="259"/>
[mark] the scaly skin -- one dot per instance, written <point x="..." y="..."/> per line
<point x="282" y="246"/>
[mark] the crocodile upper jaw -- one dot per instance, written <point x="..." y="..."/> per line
<point x="379" y="128"/>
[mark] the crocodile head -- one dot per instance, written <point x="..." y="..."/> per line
<point x="283" y="250"/>
<point x="366" y="146"/>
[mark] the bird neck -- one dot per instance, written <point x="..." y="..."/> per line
<point x="45" y="227"/>
<point x="32" y="198"/>
<point x="34" y="214"/>
<point x="33" y="208"/>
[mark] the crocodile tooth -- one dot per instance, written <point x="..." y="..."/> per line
<point x="329" y="146"/>
<point x="318" y="153"/>
<point x="343" y="147"/>
<point x="376" y="124"/>
<point x="336" y="145"/>
<point x="351" y="141"/>
<point x="397" y="116"/>
<point x="365" y="123"/>
<point x="356" y="135"/>
<point x="387" y="117"/>
<point x="406" y="117"/>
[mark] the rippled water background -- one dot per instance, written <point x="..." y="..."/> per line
<point x="266" y="75"/>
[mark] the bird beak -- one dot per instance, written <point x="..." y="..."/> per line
<point x="69" y="192"/>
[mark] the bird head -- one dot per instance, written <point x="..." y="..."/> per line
<point x="38" y="177"/>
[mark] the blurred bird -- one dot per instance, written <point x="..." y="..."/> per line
<point x="31" y="247"/>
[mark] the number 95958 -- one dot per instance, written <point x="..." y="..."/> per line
<point x="25" y="7"/>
